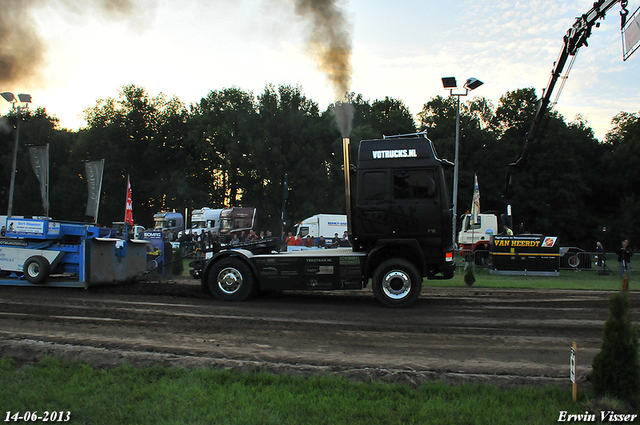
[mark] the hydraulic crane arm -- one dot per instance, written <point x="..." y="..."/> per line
<point x="575" y="38"/>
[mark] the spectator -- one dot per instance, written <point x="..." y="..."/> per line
<point x="291" y="241"/>
<point x="321" y="242"/>
<point x="308" y="242"/>
<point x="335" y="241"/>
<point x="624" y="258"/>
<point x="599" y="254"/>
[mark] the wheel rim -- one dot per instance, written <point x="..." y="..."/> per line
<point x="33" y="269"/>
<point x="229" y="280"/>
<point x="396" y="284"/>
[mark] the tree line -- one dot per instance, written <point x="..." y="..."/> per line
<point x="233" y="148"/>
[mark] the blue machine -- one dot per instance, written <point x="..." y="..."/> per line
<point x="59" y="253"/>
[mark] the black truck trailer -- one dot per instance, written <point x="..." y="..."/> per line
<point x="399" y="221"/>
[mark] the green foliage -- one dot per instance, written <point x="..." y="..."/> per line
<point x="616" y="368"/>
<point x="233" y="148"/>
<point x="160" y="395"/>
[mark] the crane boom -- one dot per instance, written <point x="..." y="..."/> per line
<point x="575" y="38"/>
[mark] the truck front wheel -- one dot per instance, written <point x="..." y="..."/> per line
<point x="231" y="279"/>
<point x="396" y="283"/>
<point x="36" y="269"/>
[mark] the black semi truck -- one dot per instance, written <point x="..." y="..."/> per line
<point x="399" y="221"/>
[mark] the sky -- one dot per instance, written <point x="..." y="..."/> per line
<point x="399" y="49"/>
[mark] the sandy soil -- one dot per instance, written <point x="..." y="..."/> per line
<point x="507" y="337"/>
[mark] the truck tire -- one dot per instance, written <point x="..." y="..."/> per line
<point x="36" y="269"/>
<point x="397" y="283"/>
<point x="231" y="279"/>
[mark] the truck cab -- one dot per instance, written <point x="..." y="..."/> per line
<point x="401" y="203"/>
<point x="477" y="233"/>
<point x="205" y="219"/>
<point x="171" y="221"/>
<point x="235" y="221"/>
<point x="399" y="225"/>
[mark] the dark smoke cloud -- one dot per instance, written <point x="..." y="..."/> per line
<point x="22" y="49"/>
<point x="329" y="41"/>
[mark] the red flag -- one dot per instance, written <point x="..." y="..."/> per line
<point x="128" y="212"/>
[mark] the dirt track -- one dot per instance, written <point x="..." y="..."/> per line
<point x="503" y="336"/>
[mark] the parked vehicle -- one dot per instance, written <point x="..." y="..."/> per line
<point x="326" y="225"/>
<point x="171" y="221"/>
<point x="205" y="219"/>
<point x="135" y="231"/>
<point x="236" y="221"/>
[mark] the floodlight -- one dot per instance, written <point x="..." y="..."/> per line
<point x="449" y="82"/>
<point x="473" y="83"/>
<point x="24" y="98"/>
<point x="9" y="97"/>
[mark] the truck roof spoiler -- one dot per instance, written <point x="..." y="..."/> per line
<point x="399" y="136"/>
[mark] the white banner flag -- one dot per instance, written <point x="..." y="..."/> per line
<point x="475" y="207"/>
<point x="40" y="163"/>
<point x="94" y="171"/>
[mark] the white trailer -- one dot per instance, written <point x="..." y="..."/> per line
<point x="326" y="225"/>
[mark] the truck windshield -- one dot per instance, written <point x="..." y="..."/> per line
<point x="226" y="224"/>
<point x="199" y="225"/>
<point x="160" y="224"/>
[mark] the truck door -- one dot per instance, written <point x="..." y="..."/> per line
<point x="372" y="210"/>
<point x="415" y="209"/>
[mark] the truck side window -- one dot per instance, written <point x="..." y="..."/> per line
<point x="476" y="225"/>
<point x="374" y="186"/>
<point x="413" y="184"/>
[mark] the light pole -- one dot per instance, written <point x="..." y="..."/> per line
<point x="450" y="84"/>
<point x="18" y="107"/>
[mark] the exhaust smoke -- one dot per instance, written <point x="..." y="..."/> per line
<point x="22" y="49"/>
<point x="329" y="41"/>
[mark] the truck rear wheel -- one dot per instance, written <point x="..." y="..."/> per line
<point x="396" y="283"/>
<point x="230" y="279"/>
<point x="36" y="269"/>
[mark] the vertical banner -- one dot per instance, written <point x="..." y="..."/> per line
<point x="95" y="171"/>
<point x="40" y="163"/>
<point x="475" y="207"/>
<point x="128" y="211"/>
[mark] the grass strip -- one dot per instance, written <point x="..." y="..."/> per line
<point x="568" y="279"/>
<point x="161" y="395"/>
